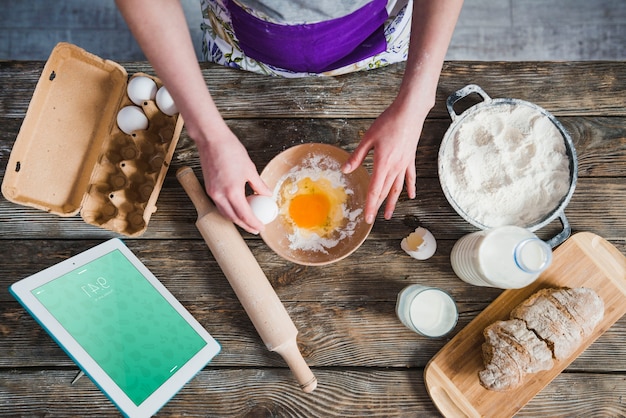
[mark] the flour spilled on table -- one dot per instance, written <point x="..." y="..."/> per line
<point x="507" y="165"/>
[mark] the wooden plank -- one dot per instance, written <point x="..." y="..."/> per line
<point x="599" y="141"/>
<point x="234" y="392"/>
<point x="344" y="312"/>
<point x="598" y="205"/>
<point x="190" y="272"/>
<point x="190" y="265"/>
<point x="599" y="88"/>
<point x="565" y="396"/>
<point x="331" y="334"/>
<point x="237" y="392"/>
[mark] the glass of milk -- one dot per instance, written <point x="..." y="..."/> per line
<point x="429" y="311"/>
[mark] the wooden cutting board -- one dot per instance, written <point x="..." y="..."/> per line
<point x="451" y="377"/>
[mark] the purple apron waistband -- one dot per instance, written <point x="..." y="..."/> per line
<point x="315" y="47"/>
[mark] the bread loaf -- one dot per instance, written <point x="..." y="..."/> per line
<point x="510" y="352"/>
<point x="562" y="318"/>
<point x="550" y="323"/>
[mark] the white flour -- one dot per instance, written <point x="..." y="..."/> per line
<point x="506" y="165"/>
<point x="316" y="167"/>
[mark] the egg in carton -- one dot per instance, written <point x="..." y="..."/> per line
<point x="75" y="151"/>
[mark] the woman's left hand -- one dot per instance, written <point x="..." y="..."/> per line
<point x="393" y="137"/>
<point x="396" y="132"/>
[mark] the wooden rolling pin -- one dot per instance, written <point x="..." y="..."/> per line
<point x="256" y="294"/>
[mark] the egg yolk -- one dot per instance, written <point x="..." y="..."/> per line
<point x="310" y="210"/>
<point x="312" y="206"/>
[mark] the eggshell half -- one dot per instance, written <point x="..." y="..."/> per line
<point x="420" y="244"/>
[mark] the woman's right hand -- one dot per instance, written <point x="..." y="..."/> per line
<point x="161" y="29"/>
<point x="226" y="169"/>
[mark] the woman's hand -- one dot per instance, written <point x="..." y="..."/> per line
<point x="226" y="169"/>
<point x="161" y="29"/>
<point x="393" y="137"/>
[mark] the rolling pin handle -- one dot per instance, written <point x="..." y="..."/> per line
<point x="300" y="369"/>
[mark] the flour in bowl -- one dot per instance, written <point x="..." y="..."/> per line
<point x="314" y="205"/>
<point x="506" y="165"/>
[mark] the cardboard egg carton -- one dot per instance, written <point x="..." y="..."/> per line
<point x="70" y="156"/>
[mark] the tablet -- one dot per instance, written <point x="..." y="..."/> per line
<point x="121" y="326"/>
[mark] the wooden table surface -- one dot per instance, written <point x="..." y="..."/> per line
<point x="366" y="362"/>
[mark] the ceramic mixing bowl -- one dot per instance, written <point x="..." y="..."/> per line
<point x="347" y="232"/>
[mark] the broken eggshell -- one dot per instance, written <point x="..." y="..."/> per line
<point x="420" y="244"/>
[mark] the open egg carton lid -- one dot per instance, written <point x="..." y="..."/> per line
<point x="70" y="156"/>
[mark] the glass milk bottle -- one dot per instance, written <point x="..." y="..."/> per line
<point x="507" y="257"/>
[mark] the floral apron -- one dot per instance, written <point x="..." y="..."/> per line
<point x="370" y="37"/>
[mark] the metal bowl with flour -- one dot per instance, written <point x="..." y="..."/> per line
<point x="507" y="162"/>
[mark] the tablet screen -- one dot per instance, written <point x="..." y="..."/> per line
<point x="123" y="322"/>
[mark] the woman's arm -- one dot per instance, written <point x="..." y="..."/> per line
<point x="395" y="133"/>
<point x="160" y="28"/>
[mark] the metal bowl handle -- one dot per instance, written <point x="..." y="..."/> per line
<point x="559" y="238"/>
<point x="462" y="93"/>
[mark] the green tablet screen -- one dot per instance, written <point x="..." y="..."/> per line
<point x="123" y="322"/>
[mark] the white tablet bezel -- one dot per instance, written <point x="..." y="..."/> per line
<point x="22" y="291"/>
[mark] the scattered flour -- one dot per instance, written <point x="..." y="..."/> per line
<point x="341" y="226"/>
<point x="506" y="165"/>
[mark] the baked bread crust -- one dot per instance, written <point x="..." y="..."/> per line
<point x="562" y="318"/>
<point x="550" y="323"/>
<point x="510" y="352"/>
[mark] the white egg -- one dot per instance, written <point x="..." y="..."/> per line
<point x="165" y="103"/>
<point x="420" y="244"/>
<point x="140" y="89"/>
<point x="263" y="207"/>
<point x="131" y="119"/>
